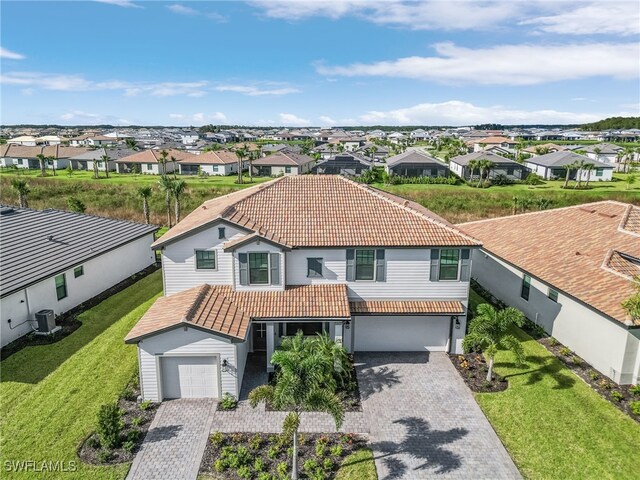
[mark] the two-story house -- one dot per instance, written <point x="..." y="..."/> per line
<point x="311" y="253"/>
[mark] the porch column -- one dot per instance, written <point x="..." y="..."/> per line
<point x="337" y="332"/>
<point x="270" y="344"/>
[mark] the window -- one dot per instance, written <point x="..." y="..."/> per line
<point x="149" y="166"/>
<point x="449" y="261"/>
<point x="215" y="169"/>
<point x="205" y="259"/>
<point x="287" y="169"/>
<point x="307" y="328"/>
<point x="258" y="268"/>
<point x="365" y="264"/>
<point x="78" y="271"/>
<point x="61" y="286"/>
<point x="314" y="267"/>
<point x="599" y="172"/>
<point x="526" y="287"/>
<point x="221" y="232"/>
<point x="553" y="295"/>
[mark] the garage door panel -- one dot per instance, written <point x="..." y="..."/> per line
<point x="401" y="333"/>
<point x="190" y="377"/>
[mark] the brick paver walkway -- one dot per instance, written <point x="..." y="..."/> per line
<point x="176" y="440"/>
<point x="424" y="422"/>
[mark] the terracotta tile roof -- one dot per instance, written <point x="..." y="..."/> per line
<point x="220" y="157"/>
<point x="222" y="310"/>
<point x="405" y="307"/>
<point x="570" y="248"/>
<point x="152" y="156"/>
<point x="325" y="210"/>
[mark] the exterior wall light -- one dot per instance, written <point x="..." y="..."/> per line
<point x="347" y="324"/>
<point x="225" y="365"/>
<point x="456" y="322"/>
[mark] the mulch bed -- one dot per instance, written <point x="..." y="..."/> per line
<point x="69" y="320"/>
<point x="91" y="451"/>
<point x="259" y="455"/>
<point x="606" y="387"/>
<point x="473" y="370"/>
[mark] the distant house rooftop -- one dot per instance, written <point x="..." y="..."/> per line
<point x="562" y="158"/>
<point x="37" y="244"/>
<point x="414" y="156"/>
<point x="483" y="155"/>
<point x="284" y="158"/>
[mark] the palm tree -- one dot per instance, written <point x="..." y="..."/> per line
<point x="473" y="164"/>
<point x="105" y="159"/>
<point x="241" y="154"/>
<point x="568" y="168"/>
<point x="52" y="159"/>
<point x="42" y="159"/>
<point x="299" y="387"/>
<point x="166" y="185"/>
<point x="579" y="165"/>
<point x="588" y="167"/>
<point x="597" y="151"/>
<point x="179" y="188"/>
<point x="630" y="180"/>
<point x="340" y="147"/>
<point x="145" y="193"/>
<point x="22" y="188"/>
<point x="516" y="201"/>
<point x="130" y="143"/>
<point x="163" y="161"/>
<point x="489" y="331"/>
<point x="96" y="172"/>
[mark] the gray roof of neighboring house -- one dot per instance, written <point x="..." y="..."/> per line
<point x="465" y="159"/>
<point x="605" y="148"/>
<point x="37" y="244"/>
<point x="284" y="158"/>
<point x="415" y="157"/>
<point x="114" y="154"/>
<point x="560" y="159"/>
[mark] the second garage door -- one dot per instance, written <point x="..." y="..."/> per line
<point x="401" y="333"/>
<point x="189" y="377"/>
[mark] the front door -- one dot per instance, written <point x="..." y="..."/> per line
<point x="259" y="337"/>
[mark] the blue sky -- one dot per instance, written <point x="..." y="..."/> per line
<point x="299" y="63"/>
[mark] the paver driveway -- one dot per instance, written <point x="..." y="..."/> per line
<point x="175" y="443"/>
<point x="424" y="422"/>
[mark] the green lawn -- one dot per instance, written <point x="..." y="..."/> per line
<point x="50" y="394"/>
<point x="358" y="466"/>
<point x="555" y="426"/>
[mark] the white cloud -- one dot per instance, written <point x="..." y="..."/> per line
<point x="327" y="120"/>
<point x="65" y="82"/>
<point x="456" y="112"/>
<point x="291" y="120"/>
<point x="523" y="64"/>
<point x="199" y="118"/>
<point x="80" y="117"/>
<point x="610" y="17"/>
<point x="121" y="3"/>
<point x="192" y="12"/>
<point x="253" y="91"/>
<point x="422" y="15"/>
<point x="10" y="55"/>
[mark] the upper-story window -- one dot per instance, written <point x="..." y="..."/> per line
<point x="449" y="262"/>
<point x="221" y="233"/>
<point x="314" y="267"/>
<point x="365" y="264"/>
<point x="258" y="268"/>
<point x="287" y="169"/>
<point x="205" y="259"/>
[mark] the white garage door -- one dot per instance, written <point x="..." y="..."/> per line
<point x="189" y="377"/>
<point x="401" y="333"/>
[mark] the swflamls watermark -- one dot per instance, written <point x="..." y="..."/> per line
<point x="40" y="466"/>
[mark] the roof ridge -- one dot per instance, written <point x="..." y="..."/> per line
<point x="625" y="218"/>
<point x="375" y="192"/>
<point x="204" y="290"/>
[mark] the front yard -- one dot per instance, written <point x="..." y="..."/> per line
<point x="554" y="425"/>
<point x="50" y="394"/>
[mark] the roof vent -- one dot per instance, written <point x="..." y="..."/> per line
<point x="50" y="238"/>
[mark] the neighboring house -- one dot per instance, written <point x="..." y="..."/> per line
<point x="553" y="166"/>
<point x="396" y="137"/>
<point x="414" y="163"/>
<point x="24" y="140"/>
<point x="484" y="143"/>
<point x="568" y="270"/>
<point x="380" y="152"/>
<point x="603" y="152"/>
<point x="304" y="253"/>
<point x="27" y="157"/>
<point x="149" y="161"/>
<point x="220" y="162"/>
<point x="548" y="147"/>
<point x="85" y="161"/>
<point x="189" y="138"/>
<point x="282" y="163"/>
<point x="501" y="166"/>
<point x="349" y="164"/>
<point x="419" y="135"/>
<point x="57" y="260"/>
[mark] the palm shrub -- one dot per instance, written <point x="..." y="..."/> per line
<point x="341" y="370"/>
<point x="489" y="331"/>
<point x="299" y="386"/>
<point x="22" y="188"/>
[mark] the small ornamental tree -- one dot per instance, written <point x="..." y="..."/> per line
<point x="489" y="332"/>
<point x="110" y="425"/>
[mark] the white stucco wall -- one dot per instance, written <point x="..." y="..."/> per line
<point x="605" y="344"/>
<point x="188" y="341"/>
<point x="100" y="273"/>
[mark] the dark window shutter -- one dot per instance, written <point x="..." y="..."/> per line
<point x="351" y="265"/>
<point x="381" y="266"/>
<point x="275" y="268"/>
<point x="465" y="265"/>
<point x="244" y="269"/>
<point x="434" y="275"/>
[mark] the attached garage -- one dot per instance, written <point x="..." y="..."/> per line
<point x="190" y="376"/>
<point x="378" y="333"/>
